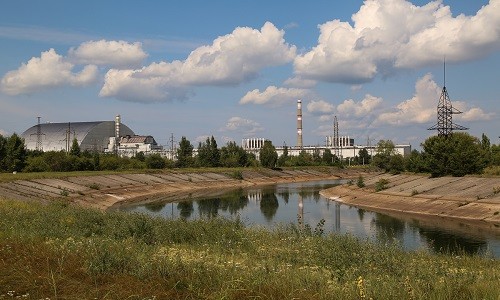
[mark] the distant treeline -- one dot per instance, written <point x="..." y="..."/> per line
<point x="457" y="155"/>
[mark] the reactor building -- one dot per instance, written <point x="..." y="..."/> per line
<point x="99" y="136"/>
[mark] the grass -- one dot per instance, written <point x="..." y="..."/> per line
<point x="62" y="252"/>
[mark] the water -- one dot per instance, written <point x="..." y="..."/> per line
<point x="285" y="203"/>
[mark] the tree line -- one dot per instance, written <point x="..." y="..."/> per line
<point x="457" y="155"/>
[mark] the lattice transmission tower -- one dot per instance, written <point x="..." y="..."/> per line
<point x="39" y="135"/>
<point x="445" y="112"/>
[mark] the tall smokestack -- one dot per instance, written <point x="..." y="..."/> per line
<point x="117" y="132"/>
<point x="299" y="123"/>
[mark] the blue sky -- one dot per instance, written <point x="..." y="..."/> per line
<point x="235" y="69"/>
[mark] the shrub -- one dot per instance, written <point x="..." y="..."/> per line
<point x="361" y="182"/>
<point x="381" y="185"/>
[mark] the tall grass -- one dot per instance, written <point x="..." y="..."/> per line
<point x="63" y="252"/>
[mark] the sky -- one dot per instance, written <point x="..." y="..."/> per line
<point x="235" y="69"/>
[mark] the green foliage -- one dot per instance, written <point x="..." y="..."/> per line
<point x="208" y="153"/>
<point x="364" y="157"/>
<point x="415" y="162"/>
<point x="360" y="183"/>
<point x="237" y="175"/>
<point x="155" y="161"/>
<point x="140" y="156"/>
<point x="86" y="254"/>
<point x="385" y="151"/>
<point x="233" y="155"/>
<point x="396" y="164"/>
<point x="75" y="148"/>
<point x="283" y="157"/>
<point x="267" y="155"/>
<point x="15" y="154"/>
<point x="184" y="153"/>
<point x="457" y="155"/>
<point x="381" y="185"/>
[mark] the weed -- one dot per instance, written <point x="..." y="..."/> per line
<point x="496" y="213"/>
<point x="77" y="253"/>
<point x="496" y="190"/>
<point x="381" y="185"/>
<point x="350" y="182"/>
<point x="64" y="193"/>
<point x="237" y="175"/>
<point x="361" y="182"/>
<point x="94" y="186"/>
<point x="414" y="192"/>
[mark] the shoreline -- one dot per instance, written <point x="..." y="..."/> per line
<point x="465" y="200"/>
<point x="110" y="191"/>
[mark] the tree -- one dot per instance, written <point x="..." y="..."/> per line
<point x="208" y="153"/>
<point x="184" y="153"/>
<point x="233" y="155"/>
<point x="15" y="154"/>
<point x="75" y="148"/>
<point x="283" y="157"/>
<point x="385" y="149"/>
<point x="155" y="161"/>
<point x="3" y="151"/>
<point x="486" y="147"/>
<point x="267" y="155"/>
<point x="328" y="157"/>
<point x="415" y="162"/>
<point x="458" y="154"/>
<point x="364" y="156"/>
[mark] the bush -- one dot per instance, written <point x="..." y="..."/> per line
<point x="361" y="182"/>
<point x="155" y="161"/>
<point x="381" y="185"/>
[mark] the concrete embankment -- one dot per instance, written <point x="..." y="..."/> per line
<point x="105" y="191"/>
<point x="465" y="198"/>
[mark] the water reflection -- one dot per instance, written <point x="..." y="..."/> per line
<point x="302" y="203"/>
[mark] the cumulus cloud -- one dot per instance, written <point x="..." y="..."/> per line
<point x="229" y="60"/>
<point x="110" y="53"/>
<point x="359" y="109"/>
<point x="388" y="35"/>
<point x="422" y="107"/>
<point x="242" y="126"/>
<point x="298" y="82"/>
<point x="320" y="107"/>
<point x="274" y="96"/>
<point x="48" y="70"/>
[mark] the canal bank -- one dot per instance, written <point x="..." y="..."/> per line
<point x="470" y="199"/>
<point x="106" y="191"/>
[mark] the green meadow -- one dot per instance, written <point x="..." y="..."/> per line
<point x="59" y="251"/>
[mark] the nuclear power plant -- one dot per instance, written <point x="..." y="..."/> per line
<point x="101" y="136"/>
<point x="341" y="146"/>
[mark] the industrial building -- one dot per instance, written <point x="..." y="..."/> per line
<point x="100" y="136"/>
<point x="341" y="146"/>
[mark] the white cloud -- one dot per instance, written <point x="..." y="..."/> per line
<point x="3" y="133"/>
<point x="471" y="113"/>
<point x="298" y="82"/>
<point x="359" y="109"/>
<point x="422" y="107"/>
<point x="48" y="70"/>
<point x="388" y="35"/>
<point x="130" y="85"/>
<point x="419" y="109"/>
<point x="321" y="107"/>
<point x="230" y="60"/>
<point x="110" y="53"/>
<point x="243" y="126"/>
<point x="274" y="96"/>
